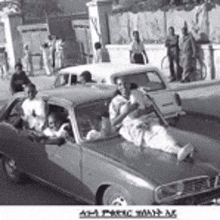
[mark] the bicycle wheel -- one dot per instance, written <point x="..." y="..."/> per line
<point x="165" y="66"/>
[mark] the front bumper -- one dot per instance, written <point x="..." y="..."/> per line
<point x="207" y="198"/>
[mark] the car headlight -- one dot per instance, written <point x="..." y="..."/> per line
<point x="170" y="191"/>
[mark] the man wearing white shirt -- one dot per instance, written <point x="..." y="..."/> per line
<point x="34" y="109"/>
<point x="137" y="51"/>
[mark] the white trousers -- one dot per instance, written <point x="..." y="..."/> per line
<point x="153" y="136"/>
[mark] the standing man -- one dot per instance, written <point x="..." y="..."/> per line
<point x="19" y="79"/>
<point x="59" y="53"/>
<point x="34" y="109"/>
<point x="188" y="50"/>
<point x="172" y="44"/>
<point x="52" y="47"/>
<point x="137" y="51"/>
<point x="27" y="60"/>
<point x="3" y="63"/>
<point x="101" y="54"/>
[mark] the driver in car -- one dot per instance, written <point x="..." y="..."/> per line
<point x="129" y="112"/>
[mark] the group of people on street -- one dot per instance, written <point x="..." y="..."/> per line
<point x="130" y="113"/>
<point x="182" y="55"/>
<point x="52" y="56"/>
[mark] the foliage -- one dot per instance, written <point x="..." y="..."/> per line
<point x="153" y="5"/>
<point x="39" y="9"/>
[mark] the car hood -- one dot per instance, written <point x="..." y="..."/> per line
<point x="161" y="167"/>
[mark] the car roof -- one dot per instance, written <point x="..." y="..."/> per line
<point x="76" y="95"/>
<point x="106" y="70"/>
<point x="80" y="94"/>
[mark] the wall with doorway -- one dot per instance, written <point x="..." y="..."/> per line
<point x="34" y="36"/>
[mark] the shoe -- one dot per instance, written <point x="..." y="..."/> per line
<point x="185" y="151"/>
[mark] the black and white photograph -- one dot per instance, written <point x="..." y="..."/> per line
<point x="107" y="103"/>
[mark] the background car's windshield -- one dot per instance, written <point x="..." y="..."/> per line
<point x="93" y="120"/>
<point x="62" y="80"/>
<point x="150" y="80"/>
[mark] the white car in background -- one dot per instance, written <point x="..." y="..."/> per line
<point x="147" y="76"/>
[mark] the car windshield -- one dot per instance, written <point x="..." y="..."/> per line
<point x="151" y="80"/>
<point x="93" y="121"/>
<point x="63" y="79"/>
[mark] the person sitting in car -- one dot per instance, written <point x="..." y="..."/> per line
<point x="34" y="109"/>
<point x="85" y="77"/>
<point x="55" y="128"/>
<point x="100" y="127"/>
<point x="55" y="132"/>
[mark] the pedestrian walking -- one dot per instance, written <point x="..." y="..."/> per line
<point x="137" y="51"/>
<point x="3" y="63"/>
<point x="46" y="58"/>
<point x="59" y="53"/>
<point x="188" y="55"/>
<point x="19" y="79"/>
<point x="101" y="54"/>
<point x="172" y="44"/>
<point x="27" y="60"/>
<point x="52" y="49"/>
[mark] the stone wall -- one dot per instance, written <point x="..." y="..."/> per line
<point x="201" y="21"/>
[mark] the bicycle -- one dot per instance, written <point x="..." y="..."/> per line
<point x="200" y="72"/>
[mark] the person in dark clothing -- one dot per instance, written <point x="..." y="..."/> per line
<point x="19" y="79"/>
<point x="137" y="51"/>
<point x="172" y="44"/>
<point x="86" y="77"/>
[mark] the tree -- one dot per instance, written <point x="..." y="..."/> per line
<point x="39" y="9"/>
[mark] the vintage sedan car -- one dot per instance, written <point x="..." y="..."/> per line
<point x="107" y="170"/>
<point x="146" y="76"/>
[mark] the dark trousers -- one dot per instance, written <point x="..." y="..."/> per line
<point x="138" y="58"/>
<point x="174" y="67"/>
<point x="53" y="64"/>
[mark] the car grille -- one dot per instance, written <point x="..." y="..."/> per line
<point x="195" y="185"/>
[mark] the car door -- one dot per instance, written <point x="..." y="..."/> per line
<point x="66" y="158"/>
<point x="16" y="143"/>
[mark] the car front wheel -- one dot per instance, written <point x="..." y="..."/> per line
<point x="11" y="171"/>
<point x="117" y="197"/>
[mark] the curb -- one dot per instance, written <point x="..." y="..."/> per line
<point x="193" y="85"/>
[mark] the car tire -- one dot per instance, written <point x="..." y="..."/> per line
<point x="11" y="171"/>
<point x="117" y="197"/>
